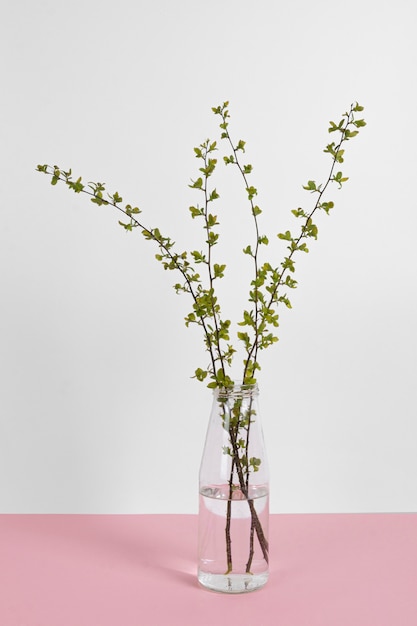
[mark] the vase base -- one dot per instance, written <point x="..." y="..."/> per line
<point x="232" y="583"/>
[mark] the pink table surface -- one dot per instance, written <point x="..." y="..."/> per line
<point x="139" y="570"/>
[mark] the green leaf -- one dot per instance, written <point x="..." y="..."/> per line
<point x="220" y="375"/>
<point x="334" y="127"/>
<point x="198" y="256"/>
<point x="190" y="319"/>
<point x="252" y="191"/>
<point x="76" y="186"/>
<point x="339" y="178"/>
<point x="330" y="148"/>
<point x="286" y="236"/>
<point x="291" y="283"/>
<point x="200" y="374"/>
<point x="99" y="200"/>
<point x="326" y="206"/>
<point x="285" y="301"/>
<point x="255" y="463"/>
<point x="247" y="321"/>
<point x="350" y="133"/>
<point x="218" y="270"/>
<point x="212" y="220"/>
<point x="214" y="195"/>
<point x="197" y="184"/>
<point x="127" y="227"/>
<point x="299" y="212"/>
<point x="209" y="169"/>
<point x="288" y="264"/>
<point x="116" y="198"/>
<point x="195" y="211"/>
<point x="311" y="186"/>
<point x="311" y="229"/>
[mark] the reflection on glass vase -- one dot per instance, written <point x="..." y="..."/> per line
<point x="234" y="495"/>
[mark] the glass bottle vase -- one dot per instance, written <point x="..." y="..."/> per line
<point x="234" y="495"/>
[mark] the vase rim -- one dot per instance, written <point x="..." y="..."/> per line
<point x="238" y="389"/>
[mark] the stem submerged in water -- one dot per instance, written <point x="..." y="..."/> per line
<point x="237" y="420"/>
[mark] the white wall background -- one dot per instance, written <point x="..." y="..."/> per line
<point x="98" y="411"/>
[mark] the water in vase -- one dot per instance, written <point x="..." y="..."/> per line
<point x="249" y="569"/>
